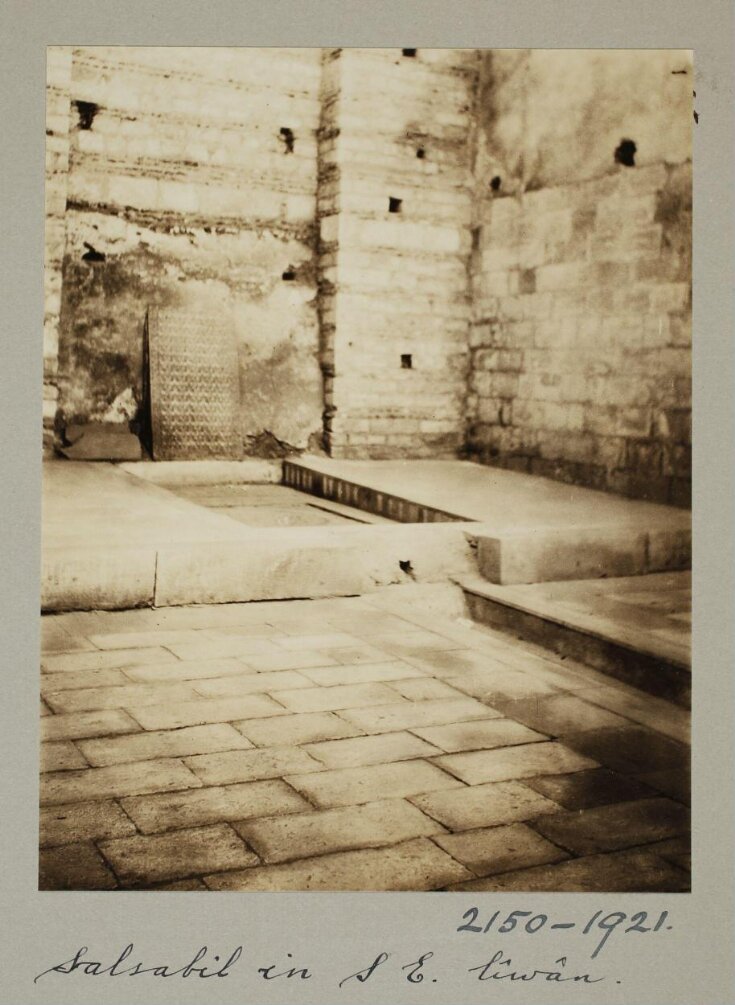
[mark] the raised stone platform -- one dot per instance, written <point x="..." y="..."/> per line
<point x="114" y="541"/>
<point x="533" y="529"/>
<point x="637" y="628"/>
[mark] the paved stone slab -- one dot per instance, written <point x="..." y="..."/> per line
<point x="673" y="782"/>
<point x="181" y="885"/>
<point x="500" y="849"/>
<point x="187" y="670"/>
<point x="677" y="850"/>
<point x="61" y="755"/>
<point x="629" y="871"/>
<point x="456" y="662"/>
<point x="413" y="865"/>
<point x="487" y="805"/>
<point x="205" y="710"/>
<point x="118" y="780"/>
<point x="557" y="715"/>
<point x="502" y="685"/>
<point x="364" y="750"/>
<point x="56" y="638"/>
<point x="655" y="713"/>
<point x="479" y="734"/>
<point x="584" y="789"/>
<point x="514" y="762"/>
<point x="99" y="660"/>
<point x="326" y="640"/>
<point x="163" y="743"/>
<point x="74" y="867"/>
<point x="151" y="858"/>
<point x="194" y="807"/>
<point x="367" y="826"/>
<point x="91" y="698"/>
<point x="408" y="715"/>
<point x="249" y="765"/>
<point x="361" y="673"/>
<point x="73" y="679"/>
<point x="337" y="697"/>
<point x="306" y="727"/>
<point x="349" y="786"/>
<point x="362" y="652"/>
<point x="80" y="724"/>
<point x="425" y="689"/>
<point x="82" y="822"/>
<point x="620" y="825"/>
<point x="261" y="656"/>
<point x="631" y="749"/>
<point x="254" y="683"/>
<point x="142" y="640"/>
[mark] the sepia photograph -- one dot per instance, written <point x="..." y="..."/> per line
<point x="366" y="530"/>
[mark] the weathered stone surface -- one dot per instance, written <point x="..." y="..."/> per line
<point x="362" y="673"/>
<point x="128" y="695"/>
<point x="363" y="750"/>
<point x="407" y="715"/>
<point x="82" y="822"/>
<point x="513" y="762"/>
<point x="414" y="865"/>
<point x="620" y="825"/>
<point x="206" y="710"/>
<point x="368" y="826"/>
<point x="117" y="780"/>
<point x="253" y="683"/>
<point x="488" y="805"/>
<point x="339" y="696"/>
<point x="152" y="858"/>
<point x="500" y="849"/>
<point x="346" y="786"/>
<point x="584" y="789"/>
<point x="557" y="715"/>
<point x="164" y="811"/>
<point x="248" y="765"/>
<point x="163" y="743"/>
<point x="61" y="755"/>
<point x="74" y="725"/>
<point x="305" y="727"/>
<point x="98" y="660"/>
<point x="74" y="867"/>
<point x="630" y="749"/>
<point x="629" y="871"/>
<point x="479" y="734"/>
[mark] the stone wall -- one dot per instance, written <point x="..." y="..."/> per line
<point x="581" y="328"/>
<point x="427" y="253"/>
<point x="395" y="207"/>
<point x="58" y="74"/>
<point x="192" y="183"/>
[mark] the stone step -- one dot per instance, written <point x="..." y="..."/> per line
<point x="279" y="563"/>
<point x="655" y="660"/>
<point x="527" y="529"/>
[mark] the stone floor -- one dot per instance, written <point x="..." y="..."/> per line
<point x="368" y="743"/>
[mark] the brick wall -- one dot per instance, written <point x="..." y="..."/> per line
<point x="192" y="183"/>
<point x="396" y="134"/>
<point x="581" y="332"/>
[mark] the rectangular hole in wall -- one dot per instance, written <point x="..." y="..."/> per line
<point x="394" y="205"/>
<point x="408" y="53"/>
<point x="407" y="361"/>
